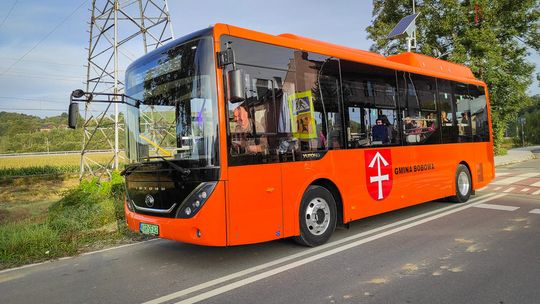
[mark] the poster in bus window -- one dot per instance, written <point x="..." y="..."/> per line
<point x="302" y="115"/>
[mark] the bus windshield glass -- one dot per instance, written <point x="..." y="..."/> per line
<point x="177" y="119"/>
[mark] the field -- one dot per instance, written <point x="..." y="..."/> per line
<point x="25" y="165"/>
<point x="72" y="159"/>
<point x="46" y="212"/>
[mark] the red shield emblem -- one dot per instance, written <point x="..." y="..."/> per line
<point x="378" y="173"/>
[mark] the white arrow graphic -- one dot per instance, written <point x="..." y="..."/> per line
<point x="378" y="178"/>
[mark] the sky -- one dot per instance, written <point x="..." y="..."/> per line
<point x="43" y="43"/>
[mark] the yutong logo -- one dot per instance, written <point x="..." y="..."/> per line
<point x="149" y="200"/>
<point x="378" y="173"/>
<point x="151" y="188"/>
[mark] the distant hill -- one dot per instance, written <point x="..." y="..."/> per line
<point x="20" y="133"/>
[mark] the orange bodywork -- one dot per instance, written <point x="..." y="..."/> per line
<point x="256" y="203"/>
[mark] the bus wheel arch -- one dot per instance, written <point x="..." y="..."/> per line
<point x="318" y="213"/>
<point x="330" y="186"/>
<point x="463" y="183"/>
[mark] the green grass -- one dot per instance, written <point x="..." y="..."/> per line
<point x="89" y="215"/>
<point x="27" y="241"/>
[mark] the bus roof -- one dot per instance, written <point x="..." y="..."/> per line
<point x="410" y="62"/>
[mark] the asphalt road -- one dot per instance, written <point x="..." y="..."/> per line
<point x="485" y="251"/>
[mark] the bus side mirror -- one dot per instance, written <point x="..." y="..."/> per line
<point x="73" y="115"/>
<point x="237" y="88"/>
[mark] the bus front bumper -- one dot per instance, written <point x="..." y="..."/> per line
<point x="207" y="227"/>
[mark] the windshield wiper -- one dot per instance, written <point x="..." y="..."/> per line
<point x="129" y="169"/>
<point x="183" y="171"/>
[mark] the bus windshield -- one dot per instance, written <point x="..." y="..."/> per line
<point x="178" y="116"/>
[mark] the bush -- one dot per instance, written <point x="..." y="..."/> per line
<point x="89" y="206"/>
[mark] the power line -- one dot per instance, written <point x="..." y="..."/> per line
<point x="31" y="99"/>
<point x="47" y="63"/>
<point x="44" y="61"/>
<point x="39" y="77"/>
<point x="57" y="101"/>
<point x="14" y="73"/>
<point x="9" y="13"/>
<point x="17" y="109"/>
<point x="43" y="39"/>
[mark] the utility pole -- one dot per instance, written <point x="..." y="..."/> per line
<point x="414" y="34"/>
<point x="120" y="31"/>
<point x="522" y="122"/>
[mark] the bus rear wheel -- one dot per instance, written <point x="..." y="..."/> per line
<point x="463" y="185"/>
<point x="318" y="216"/>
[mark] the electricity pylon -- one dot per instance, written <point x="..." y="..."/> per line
<point x="120" y="31"/>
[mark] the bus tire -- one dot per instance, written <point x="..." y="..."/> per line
<point x="318" y="216"/>
<point x="463" y="183"/>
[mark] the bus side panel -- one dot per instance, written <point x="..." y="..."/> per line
<point x="347" y="170"/>
<point x="419" y="174"/>
<point x="357" y="203"/>
<point x="255" y="212"/>
<point x="484" y="169"/>
<point x="433" y="171"/>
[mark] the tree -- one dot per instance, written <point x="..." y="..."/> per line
<point x="492" y="37"/>
<point x="532" y="121"/>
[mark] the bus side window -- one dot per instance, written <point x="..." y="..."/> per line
<point x="369" y="96"/>
<point x="268" y="73"/>
<point x="449" y="129"/>
<point x="418" y="105"/>
<point x="463" y="111"/>
<point x="478" y="119"/>
<point x="315" y="110"/>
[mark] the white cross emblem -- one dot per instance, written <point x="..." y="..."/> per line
<point x="379" y="178"/>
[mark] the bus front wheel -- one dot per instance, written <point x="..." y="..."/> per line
<point x="463" y="185"/>
<point x="318" y="216"/>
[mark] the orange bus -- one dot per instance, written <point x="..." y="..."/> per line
<point x="243" y="137"/>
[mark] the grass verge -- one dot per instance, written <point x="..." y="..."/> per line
<point x="87" y="216"/>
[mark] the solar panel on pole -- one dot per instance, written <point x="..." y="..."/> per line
<point x="406" y="25"/>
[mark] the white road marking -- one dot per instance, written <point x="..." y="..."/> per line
<point x="497" y="188"/>
<point x="422" y="218"/>
<point x="482" y="189"/>
<point x="509" y="180"/>
<point x="82" y="254"/>
<point x="537" y="184"/>
<point x="292" y="257"/>
<point x="536" y="192"/>
<point x="530" y="174"/>
<point x="497" y="207"/>
<point x="509" y="189"/>
<point x="535" y="211"/>
<point x="497" y="174"/>
<point x="525" y="189"/>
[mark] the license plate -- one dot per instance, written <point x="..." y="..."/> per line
<point x="150" y="229"/>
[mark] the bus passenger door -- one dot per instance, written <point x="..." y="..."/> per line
<point x="254" y="204"/>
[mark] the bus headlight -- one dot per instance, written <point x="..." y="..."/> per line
<point x="194" y="202"/>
